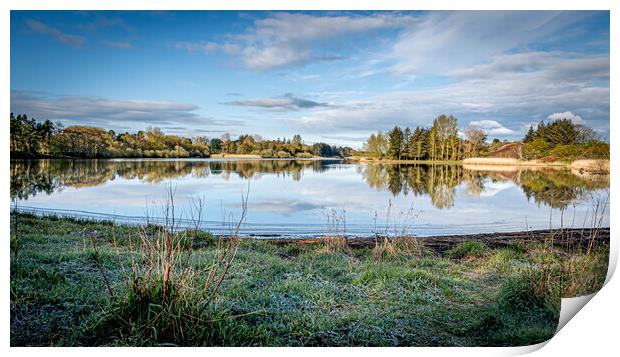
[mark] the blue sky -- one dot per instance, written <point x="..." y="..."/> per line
<point x="330" y="76"/>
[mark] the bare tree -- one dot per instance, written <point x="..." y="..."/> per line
<point x="226" y="142"/>
<point x="475" y="137"/>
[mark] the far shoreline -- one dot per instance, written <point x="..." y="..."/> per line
<point x="583" y="166"/>
<point x="588" y="168"/>
<point x="16" y="156"/>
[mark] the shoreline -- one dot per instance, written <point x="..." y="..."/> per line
<point x="583" y="166"/>
<point x="439" y="243"/>
<point x="243" y="156"/>
<point x="562" y="238"/>
<point x="309" y="238"/>
<point x="216" y="156"/>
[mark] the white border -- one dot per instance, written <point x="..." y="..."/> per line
<point x="594" y="330"/>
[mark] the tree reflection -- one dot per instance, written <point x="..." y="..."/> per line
<point x="437" y="181"/>
<point x="556" y="188"/>
<point x="553" y="187"/>
<point x="29" y="177"/>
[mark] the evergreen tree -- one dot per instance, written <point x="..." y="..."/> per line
<point x="396" y="143"/>
<point x="530" y="136"/>
<point x="406" y="143"/>
<point x="561" y="132"/>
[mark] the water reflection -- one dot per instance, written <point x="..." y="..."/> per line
<point x="553" y="187"/>
<point x="29" y="177"/>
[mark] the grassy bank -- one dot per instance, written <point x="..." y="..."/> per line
<point x="73" y="282"/>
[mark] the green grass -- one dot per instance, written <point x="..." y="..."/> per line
<point x="468" y="249"/>
<point x="293" y="295"/>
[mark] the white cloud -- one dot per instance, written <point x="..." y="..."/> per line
<point x="118" y="44"/>
<point x="520" y="88"/>
<point x="206" y="47"/>
<point x="519" y="98"/>
<point x="576" y="119"/>
<point x="492" y="127"/>
<point x="484" y="57"/>
<point x="443" y="40"/>
<point x="287" y="102"/>
<point x="492" y="188"/>
<point x="42" y="28"/>
<point x="294" y="39"/>
<point x="113" y="114"/>
<point x="553" y="66"/>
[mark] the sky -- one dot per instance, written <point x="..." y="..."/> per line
<point x="331" y="76"/>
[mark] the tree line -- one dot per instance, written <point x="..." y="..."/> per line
<point x="30" y="138"/>
<point x="565" y="140"/>
<point x="561" y="139"/>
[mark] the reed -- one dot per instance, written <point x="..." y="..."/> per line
<point x="335" y="238"/>
<point x="397" y="240"/>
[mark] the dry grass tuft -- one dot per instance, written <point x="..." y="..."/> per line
<point x="335" y="239"/>
<point x="166" y="296"/>
<point x="334" y="243"/>
<point x="408" y="245"/>
<point x="398" y="246"/>
<point x="384" y="250"/>
<point x="397" y="241"/>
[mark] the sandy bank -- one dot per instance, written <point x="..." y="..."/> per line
<point x="590" y="167"/>
<point x="234" y="156"/>
<point x="579" y="167"/>
<point x="502" y="161"/>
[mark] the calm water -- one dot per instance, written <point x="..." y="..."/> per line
<point x="299" y="197"/>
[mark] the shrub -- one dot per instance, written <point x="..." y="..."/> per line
<point x="469" y="249"/>
<point x="195" y="238"/>
<point x="284" y="155"/>
<point x="595" y="150"/>
<point x="566" y="152"/>
<point x="267" y="153"/>
<point x="303" y="155"/>
<point x="517" y="247"/>
<point x="535" y="149"/>
<point x="203" y="238"/>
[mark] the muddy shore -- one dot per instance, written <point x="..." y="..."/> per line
<point x="565" y="238"/>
